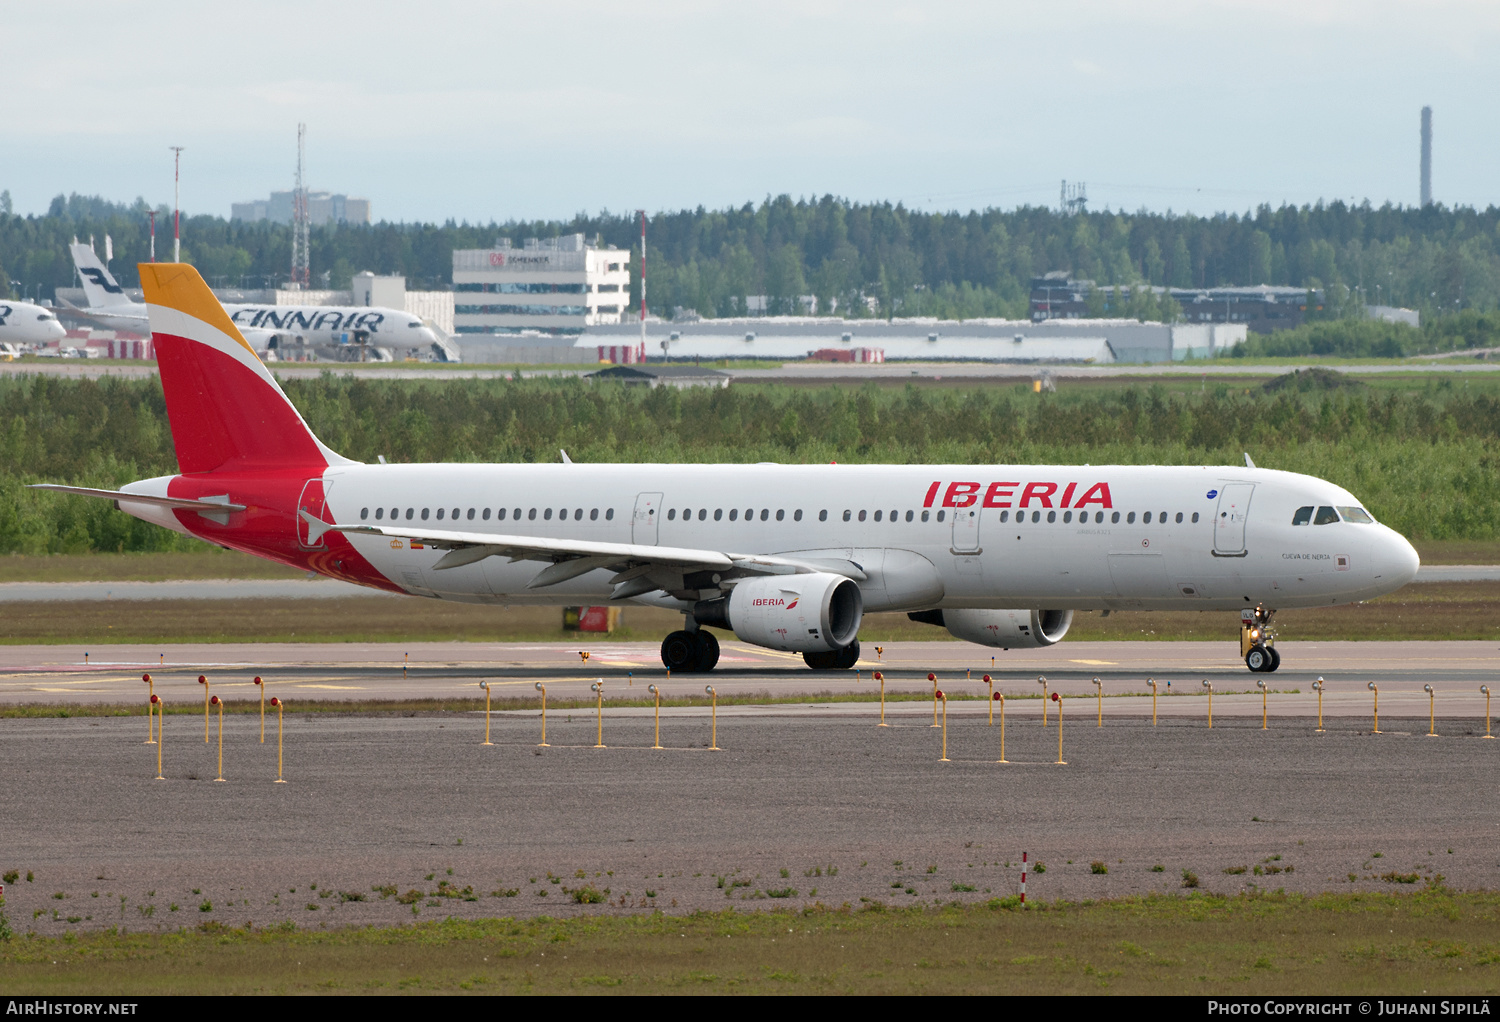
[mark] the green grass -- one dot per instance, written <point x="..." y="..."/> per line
<point x="1433" y="941"/>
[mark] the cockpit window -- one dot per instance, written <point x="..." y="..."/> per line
<point x="1326" y="516"/>
<point x="1303" y="515"/>
<point x="1356" y="514"/>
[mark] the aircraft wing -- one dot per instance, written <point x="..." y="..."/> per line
<point x="639" y="568"/>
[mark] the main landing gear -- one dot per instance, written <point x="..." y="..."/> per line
<point x="834" y="660"/>
<point x="690" y="652"/>
<point x="1257" y="641"/>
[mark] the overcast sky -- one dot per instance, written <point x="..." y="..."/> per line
<point x="478" y="111"/>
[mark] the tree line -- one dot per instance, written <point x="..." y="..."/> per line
<point x="1426" y="461"/>
<point x="864" y="259"/>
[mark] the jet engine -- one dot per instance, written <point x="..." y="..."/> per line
<point x="813" y="613"/>
<point x="1007" y="629"/>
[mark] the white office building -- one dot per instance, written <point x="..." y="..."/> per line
<point x="556" y="286"/>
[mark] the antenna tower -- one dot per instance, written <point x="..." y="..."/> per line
<point x="301" y="261"/>
<point x="1074" y="199"/>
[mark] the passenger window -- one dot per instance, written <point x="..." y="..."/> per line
<point x="1036" y="516"/>
<point x="516" y="514"/>
<point x="718" y="514"/>
<point x="941" y="515"/>
<point x="485" y="514"/>
<point x="1303" y="515"/>
<point x="924" y="515"/>
<point x="395" y="513"/>
<point x="861" y="516"/>
<point x="780" y="515"/>
<point x="1098" y="517"/>
<point x="1195" y="518"/>
<point x="439" y="514"/>
<point x="578" y="514"/>
<point x="703" y="514"/>
<point x="1326" y="516"/>
<point x="593" y="514"/>
<point x="749" y="514"/>
<point x="1130" y="518"/>
<point x="364" y="513"/>
<point x="547" y="514"/>
<point x="1179" y="518"/>
<point x="1114" y="519"/>
<point x="1146" y="518"/>
<point x="531" y="515"/>
<point x="1004" y="516"/>
<point x="878" y="515"/>
<point x="848" y="515"/>
<point x="609" y="515"/>
<point x="672" y="514"/>
<point x="765" y="513"/>
<point x="455" y="514"/>
<point x="1356" y="514"/>
<point x="909" y="516"/>
<point x="895" y="515"/>
<point x="500" y="514"/>
<point x="1051" y="517"/>
<point x="411" y="511"/>
<point x="424" y="514"/>
<point x="734" y="514"/>
<point x="1161" y="516"/>
<point x="797" y="515"/>
<point x="1068" y="517"/>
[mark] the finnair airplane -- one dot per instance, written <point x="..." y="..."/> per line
<point x="788" y="557"/>
<point x="24" y="323"/>
<point x="285" y="330"/>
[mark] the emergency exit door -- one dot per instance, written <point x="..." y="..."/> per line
<point x="644" y="524"/>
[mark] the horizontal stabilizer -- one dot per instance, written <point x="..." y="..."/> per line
<point x="202" y="506"/>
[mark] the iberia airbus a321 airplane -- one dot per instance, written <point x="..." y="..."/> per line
<point x="787" y="557"/>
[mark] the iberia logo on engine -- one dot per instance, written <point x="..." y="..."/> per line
<point x="774" y="601"/>
<point x="1003" y="494"/>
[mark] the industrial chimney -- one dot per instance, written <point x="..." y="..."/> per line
<point x="1427" y="156"/>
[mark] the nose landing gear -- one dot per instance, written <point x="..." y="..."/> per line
<point x="1257" y="641"/>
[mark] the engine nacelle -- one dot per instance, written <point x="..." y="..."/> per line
<point x="1008" y="629"/>
<point x="813" y="613"/>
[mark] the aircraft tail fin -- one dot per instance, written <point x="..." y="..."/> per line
<point x="99" y="285"/>
<point x="227" y="412"/>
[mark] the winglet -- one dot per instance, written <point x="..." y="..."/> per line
<point x="1248" y="462"/>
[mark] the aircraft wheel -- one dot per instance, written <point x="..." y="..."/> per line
<point x="848" y="656"/>
<point x="679" y="652"/>
<point x="823" y="661"/>
<point x="1275" y="660"/>
<point x="705" y="649"/>
<point x="1258" y="659"/>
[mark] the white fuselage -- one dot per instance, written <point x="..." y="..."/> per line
<point x="1217" y="538"/>
<point x="318" y="325"/>
<point x="24" y="323"/>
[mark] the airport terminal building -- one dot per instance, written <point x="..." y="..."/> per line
<point x="555" y="286"/>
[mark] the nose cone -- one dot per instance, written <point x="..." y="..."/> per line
<point x="1398" y="560"/>
<point x="428" y="337"/>
<point x="55" y="330"/>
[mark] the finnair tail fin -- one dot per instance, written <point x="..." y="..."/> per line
<point x="226" y="410"/>
<point x="99" y="285"/>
